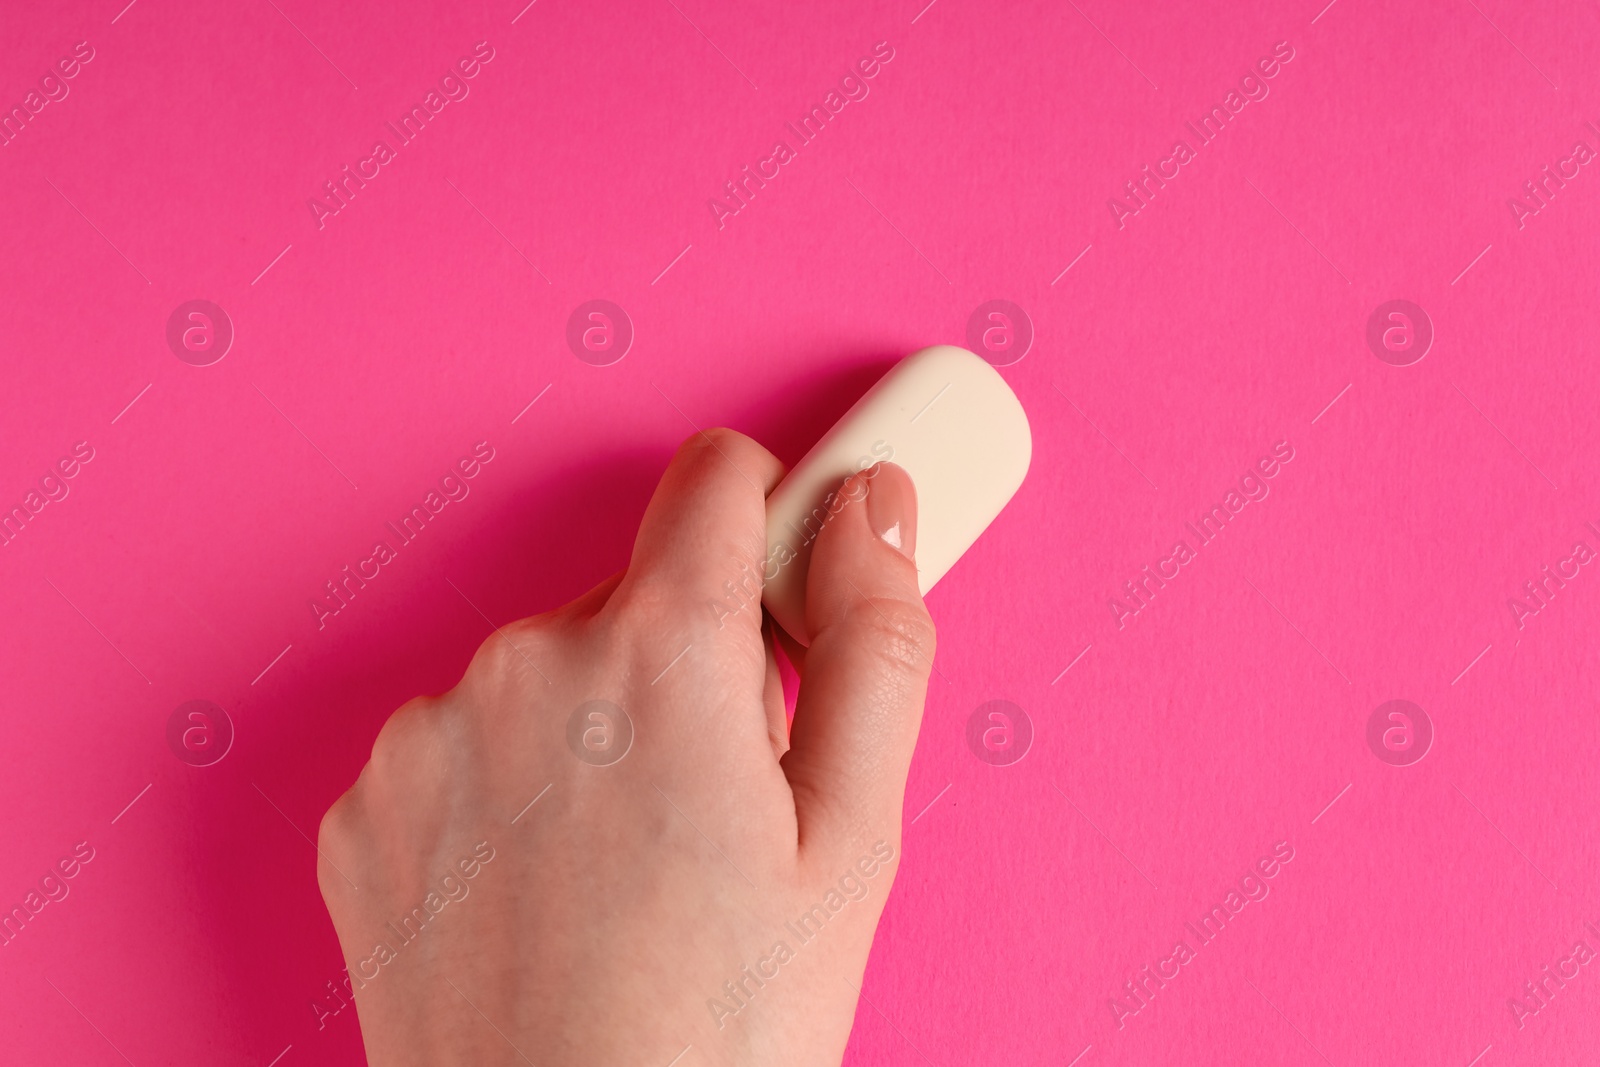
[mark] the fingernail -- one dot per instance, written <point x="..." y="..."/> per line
<point x="892" y="507"/>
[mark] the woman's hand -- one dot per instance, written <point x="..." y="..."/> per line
<point x="605" y="846"/>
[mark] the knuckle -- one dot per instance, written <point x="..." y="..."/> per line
<point x="716" y="437"/>
<point x="408" y="729"/>
<point x="333" y="830"/>
<point x="337" y="836"/>
<point x="511" y="653"/>
<point x="651" y="610"/>
<point x="651" y="624"/>
<point x="654" y="618"/>
<point x="704" y="453"/>
<point x="643" y="601"/>
<point x="416" y="758"/>
<point x="898" y="632"/>
<point x="696" y="449"/>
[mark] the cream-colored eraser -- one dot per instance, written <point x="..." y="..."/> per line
<point x="956" y="427"/>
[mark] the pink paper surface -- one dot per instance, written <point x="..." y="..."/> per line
<point x="1174" y="347"/>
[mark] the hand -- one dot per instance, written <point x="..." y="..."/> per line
<point x="718" y="885"/>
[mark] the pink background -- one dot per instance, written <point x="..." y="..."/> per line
<point x="1224" y="317"/>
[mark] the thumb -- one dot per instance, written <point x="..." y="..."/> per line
<point x="866" y="676"/>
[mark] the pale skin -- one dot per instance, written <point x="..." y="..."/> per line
<point x="615" y="908"/>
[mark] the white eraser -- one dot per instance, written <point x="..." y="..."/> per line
<point x="956" y="427"/>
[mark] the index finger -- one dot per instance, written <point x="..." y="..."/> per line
<point x="703" y="538"/>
